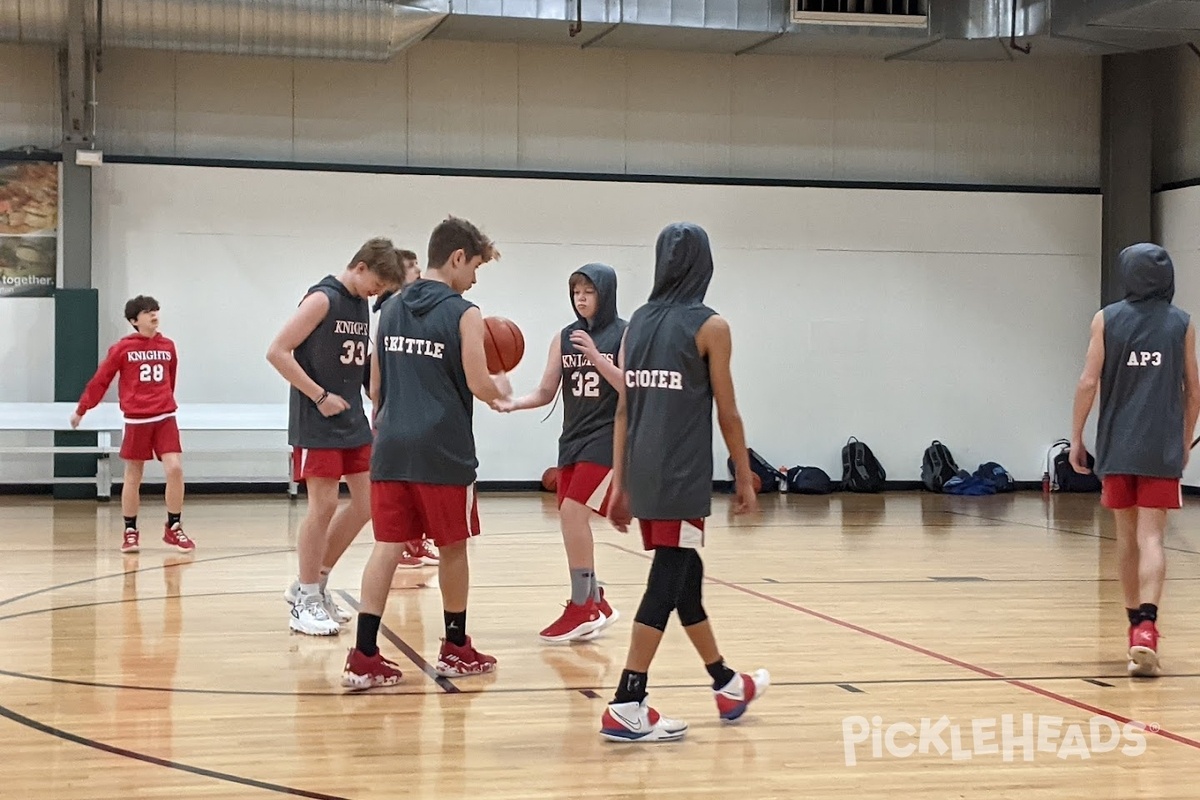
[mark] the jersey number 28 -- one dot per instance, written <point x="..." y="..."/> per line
<point x="356" y="352"/>
<point x="150" y="372"/>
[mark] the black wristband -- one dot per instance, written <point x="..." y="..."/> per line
<point x="321" y="399"/>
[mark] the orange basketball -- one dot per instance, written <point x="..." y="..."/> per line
<point x="550" y="479"/>
<point x="756" y="482"/>
<point x="503" y="343"/>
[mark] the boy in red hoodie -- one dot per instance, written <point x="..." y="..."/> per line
<point x="146" y="362"/>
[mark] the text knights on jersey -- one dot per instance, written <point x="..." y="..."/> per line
<point x="148" y="355"/>
<point x="576" y="360"/>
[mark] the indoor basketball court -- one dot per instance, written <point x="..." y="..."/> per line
<point x="340" y="338"/>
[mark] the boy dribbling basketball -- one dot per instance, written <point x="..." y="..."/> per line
<point x="322" y="352"/>
<point x="427" y="369"/>
<point x="147" y="364"/>
<point x="676" y="364"/>
<point x="582" y="360"/>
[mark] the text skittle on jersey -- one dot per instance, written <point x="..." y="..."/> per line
<point x="414" y="347"/>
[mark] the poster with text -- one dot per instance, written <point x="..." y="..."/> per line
<point x="28" y="228"/>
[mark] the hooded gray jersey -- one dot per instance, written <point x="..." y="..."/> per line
<point x="423" y="426"/>
<point x="668" y="394"/>
<point x="589" y="401"/>
<point x="1140" y="427"/>
<point x="335" y="356"/>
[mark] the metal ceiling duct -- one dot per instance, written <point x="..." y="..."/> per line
<point x="361" y="30"/>
<point x="377" y="29"/>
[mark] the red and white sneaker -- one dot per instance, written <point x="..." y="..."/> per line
<point x="368" y="672"/>
<point x="637" y="722"/>
<point x="576" y="621"/>
<point x="460" y="662"/>
<point x="1143" y="650"/>
<point x="426" y="552"/>
<point x="741" y="690"/>
<point x="130" y="543"/>
<point x="611" y="615"/>
<point x="175" y="537"/>
<point x="409" y="561"/>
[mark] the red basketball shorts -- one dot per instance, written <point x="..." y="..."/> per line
<point x="1128" y="491"/>
<point x="146" y="441"/>
<point x="402" y="511"/>
<point x="329" y="463"/>
<point x="672" y="533"/>
<point x="585" y="483"/>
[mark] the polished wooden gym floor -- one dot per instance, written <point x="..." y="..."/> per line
<point x="159" y="675"/>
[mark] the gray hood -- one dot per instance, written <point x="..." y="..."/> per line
<point x="1147" y="273"/>
<point x="423" y="295"/>
<point x="683" y="265"/>
<point x="604" y="278"/>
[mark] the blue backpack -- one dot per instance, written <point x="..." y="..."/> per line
<point x="997" y="476"/>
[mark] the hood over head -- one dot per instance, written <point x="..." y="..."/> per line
<point x="1147" y="273"/>
<point x="604" y="278"/>
<point x="683" y="264"/>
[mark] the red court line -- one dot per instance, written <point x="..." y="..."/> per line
<point x="883" y="637"/>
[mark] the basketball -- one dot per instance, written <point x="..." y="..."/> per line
<point x="550" y="479"/>
<point x="503" y="343"/>
<point x="756" y="482"/>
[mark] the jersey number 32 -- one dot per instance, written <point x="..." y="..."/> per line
<point x="587" y="384"/>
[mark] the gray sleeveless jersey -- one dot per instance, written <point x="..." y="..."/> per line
<point x="335" y="356"/>
<point x="590" y="401"/>
<point x="1140" y="428"/>
<point x="668" y="395"/>
<point x="423" y="427"/>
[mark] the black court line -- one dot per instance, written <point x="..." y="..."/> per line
<point x="1089" y="534"/>
<point x="154" y="568"/>
<point x="1098" y="683"/>
<point x="76" y="606"/>
<point x="41" y="727"/>
<point x="583" y="690"/>
<point x="850" y="688"/>
<point x="589" y="694"/>
<point x="413" y="655"/>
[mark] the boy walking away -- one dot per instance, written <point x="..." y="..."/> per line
<point x="583" y="361"/>
<point x="322" y="352"/>
<point x="1142" y="359"/>
<point x="146" y="363"/>
<point x="676" y="363"/>
<point x="427" y="369"/>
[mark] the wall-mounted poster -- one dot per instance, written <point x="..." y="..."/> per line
<point x="28" y="228"/>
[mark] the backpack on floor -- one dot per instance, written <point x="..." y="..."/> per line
<point x="769" y="475"/>
<point x="808" y="480"/>
<point x="937" y="466"/>
<point x="997" y="476"/>
<point x="1063" y="476"/>
<point x="861" y="470"/>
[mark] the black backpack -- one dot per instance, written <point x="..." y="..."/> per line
<point x="1064" y="476"/>
<point x="808" y="480"/>
<point x="937" y="466"/>
<point x="861" y="470"/>
<point x="769" y="475"/>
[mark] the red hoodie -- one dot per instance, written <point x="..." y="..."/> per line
<point x="146" y="388"/>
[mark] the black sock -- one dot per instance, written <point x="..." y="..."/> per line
<point x="368" y="634"/>
<point x="720" y="673"/>
<point x="1134" y="614"/>
<point x="456" y="627"/>
<point x="632" y="688"/>
<point x="1149" y="612"/>
<point x="131" y="523"/>
<point x="173" y="519"/>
